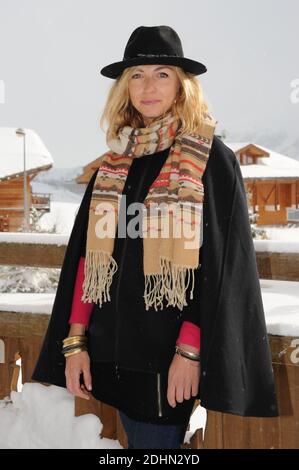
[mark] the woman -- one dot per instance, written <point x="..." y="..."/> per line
<point x="157" y="310"/>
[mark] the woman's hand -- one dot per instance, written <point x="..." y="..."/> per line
<point x="75" y="365"/>
<point x="183" y="379"/>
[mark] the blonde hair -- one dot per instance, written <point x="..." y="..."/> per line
<point x="190" y="105"/>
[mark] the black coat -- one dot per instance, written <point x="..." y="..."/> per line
<point x="236" y="370"/>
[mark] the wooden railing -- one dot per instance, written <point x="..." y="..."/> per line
<point x="271" y="265"/>
<point x="22" y="335"/>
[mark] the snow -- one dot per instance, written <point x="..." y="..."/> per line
<point x="274" y="166"/>
<point x="66" y="195"/>
<point x="65" y="198"/>
<point x="35" y="238"/>
<point x="280" y="246"/>
<point x="42" y="417"/>
<point x="61" y="217"/>
<point x="198" y="420"/>
<point x="289" y="242"/>
<point x="26" y="279"/>
<point x="27" y="303"/>
<point x="281" y="305"/>
<point x="280" y="301"/>
<point x="278" y="234"/>
<point x="11" y="152"/>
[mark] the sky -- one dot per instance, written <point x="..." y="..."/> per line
<point x="51" y="53"/>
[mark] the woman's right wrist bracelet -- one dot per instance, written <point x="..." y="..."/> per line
<point x="74" y="351"/>
<point x="74" y="344"/>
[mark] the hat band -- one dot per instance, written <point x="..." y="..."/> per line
<point x="151" y="55"/>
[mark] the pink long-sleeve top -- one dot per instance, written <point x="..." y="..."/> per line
<point x="81" y="311"/>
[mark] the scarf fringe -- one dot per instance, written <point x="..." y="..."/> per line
<point x="172" y="283"/>
<point x="99" y="268"/>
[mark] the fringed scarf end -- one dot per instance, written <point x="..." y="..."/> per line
<point x="99" y="268"/>
<point x="172" y="284"/>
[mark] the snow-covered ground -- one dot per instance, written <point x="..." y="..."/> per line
<point x="282" y="233"/>
<point x="281" y="306"/>
<point x="42" y="417"/>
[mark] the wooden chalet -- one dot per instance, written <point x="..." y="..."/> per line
<point x="38" y="159"/>
<point x="272" y="182"/>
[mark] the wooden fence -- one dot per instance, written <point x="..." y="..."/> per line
<point x="22" y="336"/>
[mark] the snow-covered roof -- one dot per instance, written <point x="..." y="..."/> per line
<point x="275" y="165"/>
<point x="11" y="152"/>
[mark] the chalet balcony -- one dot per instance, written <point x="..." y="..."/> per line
<point x="41" y="201"/>
<point x="11" y="213"/>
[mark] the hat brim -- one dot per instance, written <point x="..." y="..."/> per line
<point x="115" y="69"/>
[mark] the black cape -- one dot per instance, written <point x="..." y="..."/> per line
<point x="236" y="369"/>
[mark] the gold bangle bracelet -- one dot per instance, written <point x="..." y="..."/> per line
<point x="67" y="349"/>
<point x="72" y="338"/>
<point x="75" y="351"/>
<point x="187" y="354"/>
<point x="75" y="336"/>
<point x="75" y="341"/>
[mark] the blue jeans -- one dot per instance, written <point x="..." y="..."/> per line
<point x="152" y="436"/>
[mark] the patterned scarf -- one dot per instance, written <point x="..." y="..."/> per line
<point x="170" y="254"/>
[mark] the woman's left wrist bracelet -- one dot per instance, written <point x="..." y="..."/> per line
<point x="187" y="354"/>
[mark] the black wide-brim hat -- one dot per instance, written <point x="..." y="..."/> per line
<point x="153" y="45"/>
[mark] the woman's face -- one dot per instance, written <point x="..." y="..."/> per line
<point x="153" y="89"/>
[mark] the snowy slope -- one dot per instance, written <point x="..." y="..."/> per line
<point x="66" y="196"/>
